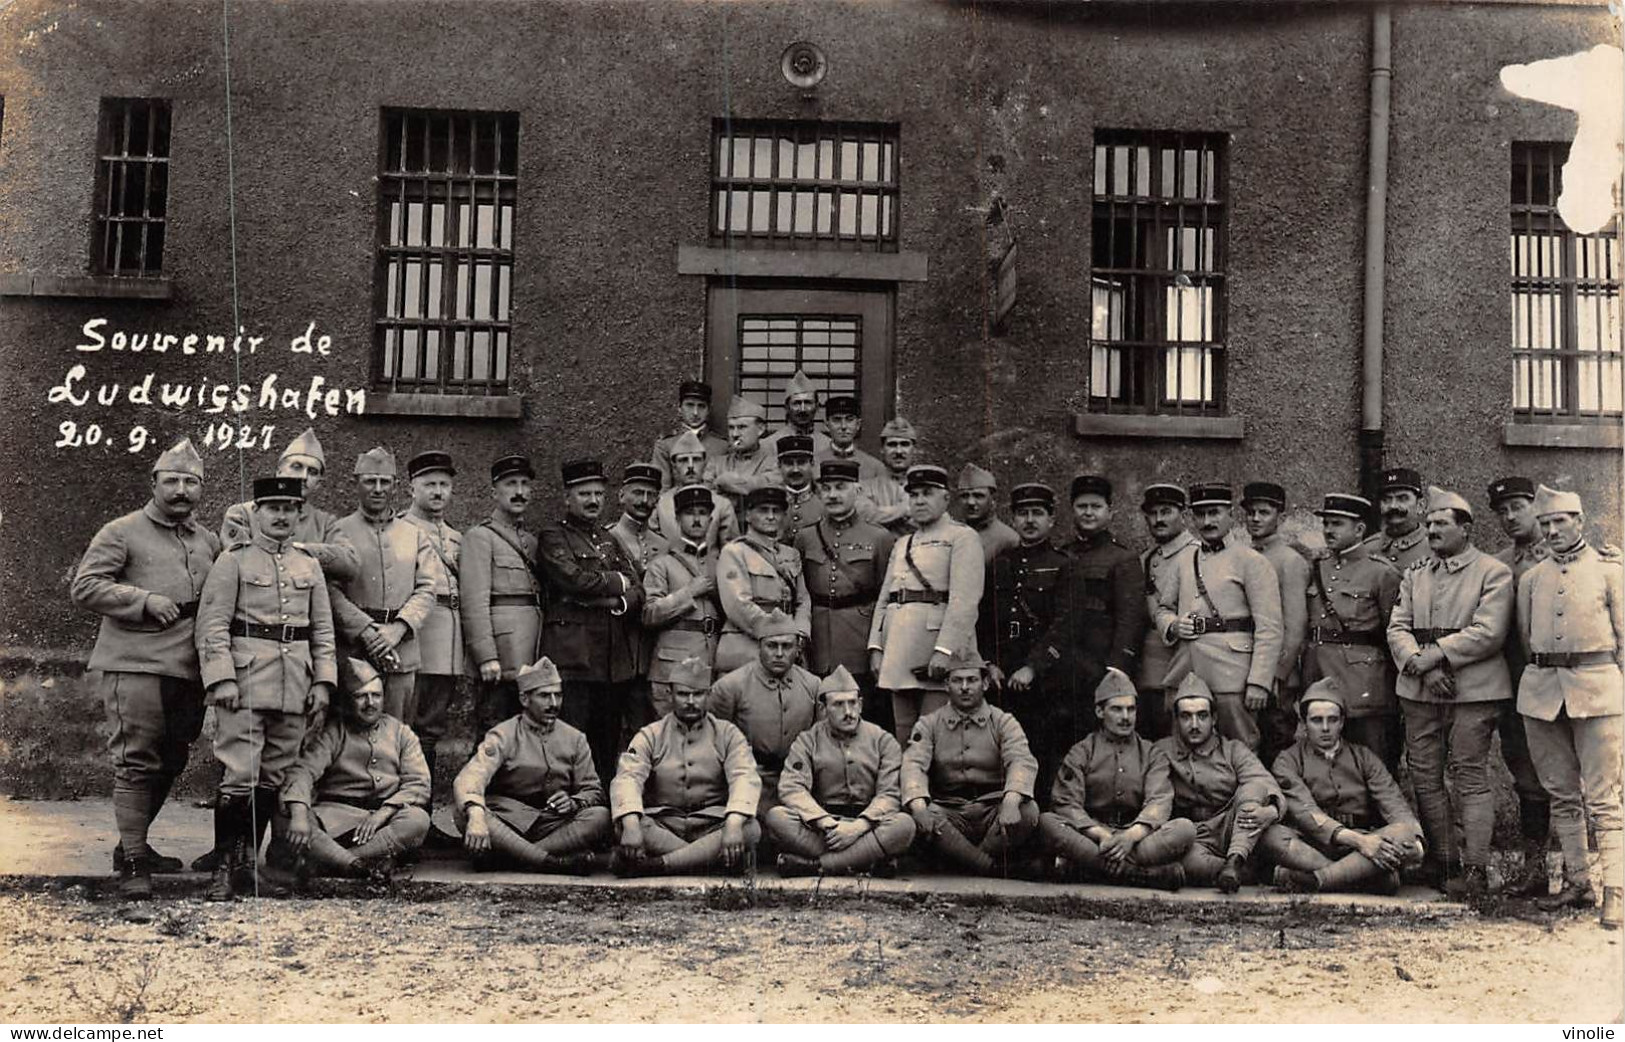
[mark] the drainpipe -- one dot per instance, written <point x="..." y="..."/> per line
<point x="1376" y="243"/>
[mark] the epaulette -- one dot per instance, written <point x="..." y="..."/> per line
<point x="1610" y="552"/>
<point x="1421" y="563"/>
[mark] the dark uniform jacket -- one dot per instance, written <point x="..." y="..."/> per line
<point x="594" y="602"/>
<point x="1350" y="597"/>
<point x="843" y="564"/>
<point x="1351" y="790"/>
<point x="805" y="508"/>
<point x="1100" y="617"/>
<point x="1019" y="603"/>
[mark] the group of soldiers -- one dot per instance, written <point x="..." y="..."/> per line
<point x="783" y="646"/>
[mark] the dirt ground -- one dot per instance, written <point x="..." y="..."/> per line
<point x="504" y="956"/>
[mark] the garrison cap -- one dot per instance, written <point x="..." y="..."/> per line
<point x="925" y="476"/>
<point x="267" y="489"/>
<point x="1033" y="493"/>
<point x="839" y="682"/>
<point x="799" y="384"/>
<point x="1402" y="478"/>
<point x="507" y="466"/>
<point x="1162" y="495"/>
<point x="966" y="658"/>
<point x="375" y="461"/>
<point x="180" y="458"/>
<point x="539" y="676"/>
<point x="898" y="428"/>
<point x="839" y="470"/>
<point x="575" y="471"/>
<point x="1115" y="684"/>
<point x="1340" y="504"/>
<point x="1326" y="689"/>
<point x="424" y="462"/>
<point x="1264" y="491"/>
<point x="1194" y="686"/>
<point x="688" y="444"/>
<point x="770" y="495"/>
<point x="777" y="624"/>
<point x="694" y="390"/>
<point x="742" y="406"/>
<point x="794" y="445"/>
<point x="842" y="405"/>
<point x="641" y="473"/>
<point x="305" y="445"/>
<point x="690" y="496"/>
<point x="355" y="674"/>
<point x="691" y="674"/>
<point x="1441" y="499"/>
<point x="1091" y="485"/>
<point x="1506" y="488"/>
<point x="1554" y="501"/>
<point x="1211" y="494"/>
<point x="973" y="476"/>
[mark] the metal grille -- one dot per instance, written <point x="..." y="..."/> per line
<point x="446" y="194"/>
<point x="132" y="187"/>
<point x="772" y="347"/>
<point x="1157" y="279"/>
<point x="804" y="184"/>
<point x="1565" y="300"/>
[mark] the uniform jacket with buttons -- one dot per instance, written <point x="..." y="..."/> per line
<point x="1240" y="581"/>
<point x="949" y="556"/>
<point x="316" y="531"/>
<point x="1520" y="559"/>
<point x="716" y="447"/>
<point x="706" y="770"/>
<point x="869" y="467"/>
<point x="594" y="602"/>
<point x="770" y="710"/>
<point x="1158" y="566"/>
<point x="805" y="507"/>
<point x="882" y="501"/>
<point x="440" y="640"/>
<point x="270" y="584"/>
<point x="755" y="577"/>
<point x="1400" y="551"/>
<point x="1351" y="592"/>
<point x="1099" y="618"/>
<point x="1470" y="593"/>
<point x="641" y="546"/>
<point x="130" y="559"/>
<point x="1114" y="783"/>
<point x="666" y="600"/>
<point x="1216" y="774"/>
<point x="996" y="537"/>
<point x="1573" y="603"/>
<point x="399" y="573"/>
<point x="347" y="771"/>
<point x="842" y="559"/>
<point x="738" y="473"/>
<point x="1292" y="575"/>
<point x="1352" y="790"/>
<point x="498" y="560"/>
<point x="519" y="764"/>
<point x="825" y="770"/>
<point x="723" y="527"/>
<point x="959" y="758"/>
<point x="1020" y="591"/>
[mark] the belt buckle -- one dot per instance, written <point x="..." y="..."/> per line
<point x="1199" y="624"/>
<point x="1315" y="635"/>
<point x="287" y="633"/>
<point x="1015" y="629"/>
<point x="456" y="602"/>
<point x="708" y="626"/>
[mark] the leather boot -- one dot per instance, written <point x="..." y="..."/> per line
<point x="792" y="865"/>
<point x="156" y="862"/>
<point x="1573" y="895"/>
<point x="1536" y="878"/>
<point x="1612" y="913"/>
<point x="229" y="820"/>
<point x="1295" y="881"/>
<point x="1229" y="880"/>
<point x="135" y="882"/>
<point x="1158" y="877"/>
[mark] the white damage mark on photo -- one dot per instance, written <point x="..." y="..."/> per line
<point x="1592" y="84"/>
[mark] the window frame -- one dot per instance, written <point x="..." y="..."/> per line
<point x="114" y="163"/>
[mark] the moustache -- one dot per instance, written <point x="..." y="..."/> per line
<point x="180" y="498"/>
<point x="1395" y="512"/>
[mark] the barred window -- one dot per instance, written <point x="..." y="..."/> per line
<point x="803" y="184"/>
<point x="447" y="187"/>
<point x="132" y="187"/>
<point x="1565" y="300"/>
<point x="1157" y="280"/>
<point x="772" y="347"/>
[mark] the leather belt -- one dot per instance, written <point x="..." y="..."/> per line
<point x="1432" y="636"/>
<point x="1570" y="659"/>
<point x="284" y="634"/>
<point x="707" y="626"/>
<point x="770" y="761"/>
<point x="383" y="615"/>
<point x="850" y="600"/>
<point x="846" y="810"/>
<point x="1221" y="624"/>
<point x="1367" y="638"/>
<point x="769" y="602"/>
<point x="917" y="597"/>
<point x="363" y="802"/>
<point x="448" y="600"/>
<point x="516" y="600"/>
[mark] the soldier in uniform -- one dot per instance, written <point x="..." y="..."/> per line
<point x="689" y="465"/>
<point x="1571" y="616"/>
<point x="927" y="603"/>
<point x="1513" y="500"/>
<point x="501" y="596"/>
<point x="530" y="797"/>
<point x="685" y="794"/>
<point x="142" y="574"/>
<point x="1163" y="508"/>
<point x="640" y="490"/>
<point x="594" y="602"/>
<point x="840" y="796"/>
<point x="801" y="416"/>
<point x="1263" y="504"/>
<point x="757" y="574"/>
<point x="681" y="614"/>
<point x="357" y="799"/>
<point x="843" y="559"/>
<point x="802" y="505"/>
<point x="771" y="700"/>
<point x="844" y="419"/>
<point x="967" y="776"/>
<point x="315" y="530"/>
<point x="694" y="412"/>
<point x="883" y="500"/>
<point x="1113" y="800"/>
<point x="1402" y="541"/>
<point x="747" y="465"/>
<point x="267" y="657"/>
<point x="440" y="640"/>
<point x="1220" y="785"/>
<point x="1348" y="822"/>
<point x="1350" y="597"/>
<point x="978" y="497"/>
<point x="1454" y="613"/>
<point x="1221" y="611"/>
<point x="381" y="609"/>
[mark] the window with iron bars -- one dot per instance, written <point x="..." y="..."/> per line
<point x="132" y="187"/>
<point x="447" y="188"/>
<point x="1157" y="277"/>
<point x="1566" y="364"/>
<point x="772" y="347"/>
<point x="801" y="184"/>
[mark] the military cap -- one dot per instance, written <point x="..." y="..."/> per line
<point x="695" y="390"/>
<point x="972" y="476"/>
<point x="375" y="461"/>
<point x="1264" y="491"/>
<point x="510" y="465"/>
<point x="965" y="658"/>
<point x="925" y="476"/>
<point x="742" y="406"/>
<point x="898" y="428"/>
<point x="691" y="674"/>
<point x="180" y="458"/>
<point x="794" y="445"/>
<point x="1326" y="689"/>
<point x="355" y="674"/>
<point x="777" y="624"/>
<point x="1340" y="504"/>
<point x="839" y="682"/>
<point x="1553" y="501"/>
<point x="267" y="489"/>
<point x="1194" y="686"/>
<point x="1115" y="684"/>
<point x="424" y="462"/>
<point x="1162" y="495"/>
<point x="842" y="405"/>
<point x="1441" y="499"/>
<point x="1033" y="494"/>
<point x="799" y="384"/>
<point x="1507" y="488"/>
<point x="770" y="495"/>
<point x="690" y="496"/>
<point x="1211" y="494"/>
<point x="839" y="470"/>
<point x="541" y="675"/>
<point x="645" y="473"/>
<point x="305" y="445"/>
<point x="687" y="444"/>
<point x="575" y="471"/>
<point x="1091" y="485"/>
<point x="1401" y="478"/>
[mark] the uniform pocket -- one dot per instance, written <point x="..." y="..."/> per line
<point x="1238" y="642"/>
<point x="242" y="658"/>
<point x="303" y="582"/>
<point x="934" y="615"/>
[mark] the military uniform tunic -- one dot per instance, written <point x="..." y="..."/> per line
<point x="1399" y="551"/>
<point x="1159" y="565"/>
<point x="315" y="530"/>
<point x="501" y="596"/>
<point x="1100" y="617"/>
<point x="716" y="447"/>
<point x="396" y="582"/>
<point x="806" y="507"/>
<point x="1349" y="789"/>
<point x="912" y="621"/>
<point x="1114" y="784"/>
<point x="1238" y="582"/>
<point x="1020" y="590"/>
<point x="706" y="770"/>
<point x="753" y="579"/>
<point x="723" y="526"/>
<point x="957" y="758"/>
<point x="869" y="467"/>
<point x="440" y="638"/>
<point x="770" y="711"/>
<point x="594" y="601"/>
<point x="682" y="626"/>
<point x="1350" y="598"/>
<point x="826" y="774"/>
<point x="996" y="537"/>
<point x="842" y="565"/>
<point x="882" y="501"/>
<point x="1520" y="559"/>
<point x="348" y="771"/>
<point x="738" y="473"/>
<point x="1292" y="574"/>
<point x="1215" y="777"/>
<point x="1464" y="604"/>
<point x="519" y="764"/>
